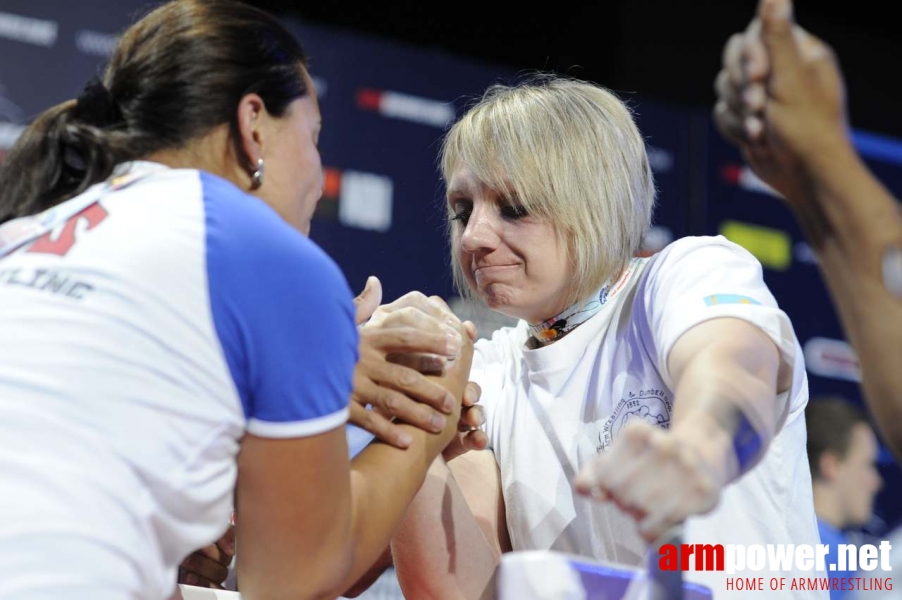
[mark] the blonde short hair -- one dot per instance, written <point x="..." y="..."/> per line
<point x="572" y="154"/>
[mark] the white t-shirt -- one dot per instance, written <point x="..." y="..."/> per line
<point x="552" y="409"/>
<point x="164" y="316"/>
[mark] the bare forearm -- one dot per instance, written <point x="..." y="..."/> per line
<point x="872" y="319"/>
<point x="439" y="550"/>
<point x="352" y="531"/>
<point x="844" y="209"/>
<point x="720" y="388"/>
<point x="851" y="219"/>
<point x="384" y="479"/>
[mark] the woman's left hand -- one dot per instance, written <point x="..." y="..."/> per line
<point x="472" y="417"/>
<point x="658" y="476"/>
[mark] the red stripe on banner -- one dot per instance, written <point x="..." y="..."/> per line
<point x="369" y="99"/>
<point x="331" y="183"/>
<point x="842" y="360"/>
<point x="731" y="173"/>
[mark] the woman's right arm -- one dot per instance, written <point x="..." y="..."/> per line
<point x="293" y="500"/>
<point x="450" y="542"/>
<point x="309" y="529"/>
<point x="309" y="523"/>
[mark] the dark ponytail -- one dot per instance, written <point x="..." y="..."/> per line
<point x="175" y="75"/>
<point x="62" y="153"/>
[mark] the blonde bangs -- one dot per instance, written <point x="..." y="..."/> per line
<point x="570" y="153"/>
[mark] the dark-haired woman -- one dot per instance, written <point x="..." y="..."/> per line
<point x="161" y="307"/>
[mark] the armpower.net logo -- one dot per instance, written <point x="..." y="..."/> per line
<point x="748" y="563"/>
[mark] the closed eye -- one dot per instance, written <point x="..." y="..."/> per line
<point x="462" y="216"/>
<point x="514" y="212"/>
<point x="460" y="210"/>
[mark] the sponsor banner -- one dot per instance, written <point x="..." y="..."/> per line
<point x="28" y="30"/>
<point x="772" y="247"/>
<point x="834" y="359"/>
<point x="396" y="105"/>
<point x="357" y="199"/>
<point x="745" y="178"/>
<point x="95" y="43"/>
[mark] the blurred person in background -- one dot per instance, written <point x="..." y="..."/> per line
<point x="842" y="453"/>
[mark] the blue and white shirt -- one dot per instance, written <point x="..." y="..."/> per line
<point x="159" y="317"/>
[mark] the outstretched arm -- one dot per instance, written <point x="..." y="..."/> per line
<point x="782" y="101"/>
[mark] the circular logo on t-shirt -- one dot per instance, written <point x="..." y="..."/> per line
<point x="650" y="405"/>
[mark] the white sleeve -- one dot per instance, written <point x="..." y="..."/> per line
<point x="702" y="278"/>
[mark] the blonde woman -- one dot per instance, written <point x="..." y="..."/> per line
<point x="653" y="385"/>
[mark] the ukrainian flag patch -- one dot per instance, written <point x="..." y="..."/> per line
<point x="715" y="299"/>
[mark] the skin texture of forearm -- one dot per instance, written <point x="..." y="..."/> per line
<point x="384" y="479"/>
<point x="859" y="219"/>
<point x="841" y="203"/>
<point x="440" y="551"/>
<point x="718" y="383"/>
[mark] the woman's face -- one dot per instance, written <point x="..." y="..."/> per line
<point x="293" y="170"/>
<point x="514" y="262"/>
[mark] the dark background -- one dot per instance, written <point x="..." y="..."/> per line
<point x="663" y="49"/>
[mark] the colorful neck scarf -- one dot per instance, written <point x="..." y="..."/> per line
<point x="577" y="314"/>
